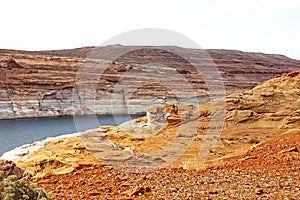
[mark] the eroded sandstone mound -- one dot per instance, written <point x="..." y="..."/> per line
<point x="59" y="156"/>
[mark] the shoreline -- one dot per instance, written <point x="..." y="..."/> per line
<point x="35" y="130"/>
<point x="22" y="152"/>
<point x="65" y="116"/>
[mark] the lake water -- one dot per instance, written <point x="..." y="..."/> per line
<point x="17" y="132"/>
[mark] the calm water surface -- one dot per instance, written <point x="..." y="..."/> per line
<point x="17" y="132"/>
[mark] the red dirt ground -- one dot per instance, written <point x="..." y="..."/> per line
<point x="268" y="171"/>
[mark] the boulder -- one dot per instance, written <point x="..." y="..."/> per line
<point x="10" y="168"/>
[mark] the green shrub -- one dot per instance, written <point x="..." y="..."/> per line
<point x="13" y="189"/>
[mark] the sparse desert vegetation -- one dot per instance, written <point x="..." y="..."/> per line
<point x="12" y="188"/>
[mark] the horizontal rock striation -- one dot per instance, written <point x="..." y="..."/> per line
<point x="93" y="81"/>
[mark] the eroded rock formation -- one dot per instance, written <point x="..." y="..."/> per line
<point x="269" y="113"/>
<point x="66" y="82"/>
<point x="9" y="168"/>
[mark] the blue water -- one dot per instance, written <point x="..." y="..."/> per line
<point x="17" y="132"/>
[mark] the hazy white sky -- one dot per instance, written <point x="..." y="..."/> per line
<point x="270" y="26"/>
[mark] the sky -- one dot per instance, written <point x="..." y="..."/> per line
<point x="269" y="26"/>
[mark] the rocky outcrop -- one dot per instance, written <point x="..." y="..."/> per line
<point x="274" y="103"/>
<point x="57" y="155"/>
<point x="250" y="117"/>
<point x="161" y="115"/>
<point x="9" y="168"/>
<point x="57" y="83"/>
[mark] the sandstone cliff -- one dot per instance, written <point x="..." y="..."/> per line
<point x="56" y="83"/>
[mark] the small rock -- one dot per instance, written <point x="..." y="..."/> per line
<point x="203" y="194"/>
<point x="259" y="191"/>
<point x="212" y="192"/>
<point x="10" y="168"/>
<point x="138" y="191"/>
<point x="293" y="149"/>
<point x="94" y="193"/>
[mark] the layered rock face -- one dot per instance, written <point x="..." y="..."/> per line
<point x="273" y="104"/>
<point x="250" y="117"/>
<point x="178" y="136"/>
<point x="98" y="81"/>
